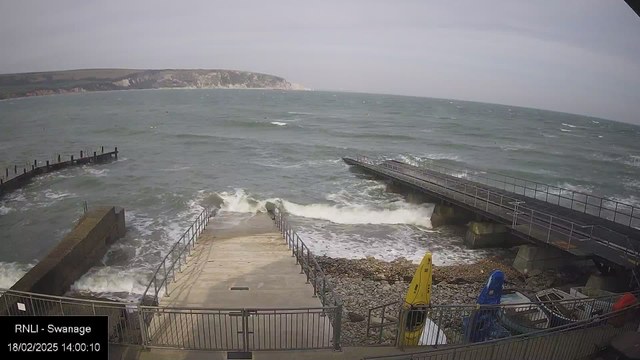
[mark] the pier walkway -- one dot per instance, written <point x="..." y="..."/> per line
<point x="537" y="221"/>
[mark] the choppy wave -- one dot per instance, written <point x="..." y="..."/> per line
<point x="569" y="125"/>
<point x="279" y="123"/>
<point x="396" y="213"/>
<point x="96" y="172"/>
<point x="586" y="189"/>
<point x="112" y="282"/>
<point x="565" y="130"/>
<point x="11" y="272"/>
<point x="5" y="210"/>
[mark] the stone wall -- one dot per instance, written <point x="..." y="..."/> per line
<point x="80" y="250"/>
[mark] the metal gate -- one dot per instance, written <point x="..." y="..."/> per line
<point x="241" y="329"/>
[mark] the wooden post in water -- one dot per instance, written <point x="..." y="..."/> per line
<point x="35" y="163"/>
<point x="7" y="173"/>
<point x="47" y="164"/>
<point x="116" y="153"/>
<point x="24" y="170"/>
<point x="80" y="154"/>
<point x="103" y="149"/>
<point x="95" y="157"/>
<point x="58" y="157"/>
<point x="71" y="159"/>
<point x="15" y="169"/>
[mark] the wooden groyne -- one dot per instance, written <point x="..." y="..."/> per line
<point x="21" y="178"/>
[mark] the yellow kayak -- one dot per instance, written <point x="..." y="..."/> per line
<point x="419" y="294"/>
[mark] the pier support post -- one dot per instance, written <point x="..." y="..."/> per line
<point x="483" y="235"/>
<point x="116" y="153"/>
<point x="58" y="157"/>
<point x="103" y="149"/>
<point x="15" y="169"/>
<point x="80" y="154"/>
<point x="532" y="257"/>
<point x="71" y="159"/>
<point x="95" y="157"/>
<point x="24" y="170"/>
<point x="47" y="164"/>
<point x="7" y="173"/>
<point x="35" y="163"/>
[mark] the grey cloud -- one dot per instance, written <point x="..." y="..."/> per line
<point x="579" y="56"/>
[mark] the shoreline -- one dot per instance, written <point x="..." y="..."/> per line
<point x="69" y="92"/>
<point x="369" y="282"/>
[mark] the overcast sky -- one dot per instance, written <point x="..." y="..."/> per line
<point x="578" y="56"/>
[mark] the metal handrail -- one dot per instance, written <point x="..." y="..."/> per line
<point x="485" y="196"/>
<point x="546" y="221"/>
<point x="64" y="298"/>
<point x="609" y="298"/>
<point x="177" y="253"/>
<point x="306" y="260"/>
<point x="583" y="324"/>
<point x="616" y="207"/>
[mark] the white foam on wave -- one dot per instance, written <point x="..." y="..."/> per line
<point x="549" y="135"/>
<point x="565" y="130"/>
<point x="629" y="200"/>
<point x="586" y="189"/>
<point x="279" y="123"/>
<point x="57" y="195"/>
<point x="398" y="212"/>
<point x="398" y="241"/>
<point x="5" y="210"/>
<point x="179" y="168"/>
<point x="515" y="147"/>
<point x="569" y="125"/>
<point x="11" y="272"/>
<point x="96" y="172"/>
<point x="153" y="234"/>
<point x="112" y="282"/>
<point x="300" y="113"/>
<point x="403" y="213"/>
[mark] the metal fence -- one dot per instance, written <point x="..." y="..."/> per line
<point x="192" y="328"/>
<point x="461" y="324"/>
<point x="570" y="341"/>
<point x="124" y="320"/>
<point x="603" y="207"/>
<point x="172" y="262"/>
<point x="525" y="221"/>
<point x="243" y="329"/>
<point x="322" y="287"/>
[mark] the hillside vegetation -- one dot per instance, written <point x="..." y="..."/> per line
<point x="59" y="82"/>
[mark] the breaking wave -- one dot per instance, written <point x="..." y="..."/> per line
<point x="279" y="123"/>
<point x="397" y="212"/>
<point x="11" y="272"/>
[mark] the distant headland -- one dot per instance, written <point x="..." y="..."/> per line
<point x="86" y="80"/>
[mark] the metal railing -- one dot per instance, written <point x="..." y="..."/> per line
<point x="545" y="227"/>
<point x="192" y="328"/>
<point x="177" y="256"/>
<point x="460" y="324"/>
<point x="322" y="287"/>
<point x="570" y="341"/>
<point x="124" y="320"/>
<point x="599" y="206"/>
<point x="243" y="329"/>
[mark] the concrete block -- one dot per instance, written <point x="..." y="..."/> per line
<point x="534" y="257"/>
<point x="449" y="215"/>
<point x="482" y="235"/>
<point x="607" y="283"/>
<point x="80" y="250"/>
